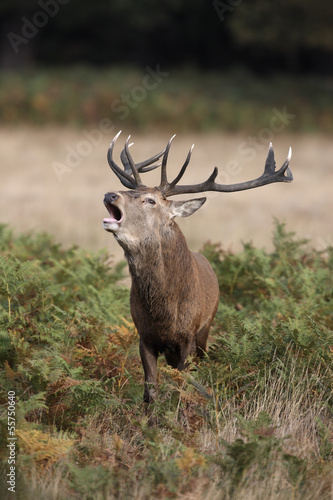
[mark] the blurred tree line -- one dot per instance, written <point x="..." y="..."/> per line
<point x="287" y="35"/>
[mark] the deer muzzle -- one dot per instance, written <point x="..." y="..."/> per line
<point x="113" y="222"/>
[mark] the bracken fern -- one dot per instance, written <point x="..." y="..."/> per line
<point x="253" y="419"/>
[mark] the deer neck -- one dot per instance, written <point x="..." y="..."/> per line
<point x="161" y="267"/>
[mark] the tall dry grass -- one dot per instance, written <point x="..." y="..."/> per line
<point x="293" y="429"/>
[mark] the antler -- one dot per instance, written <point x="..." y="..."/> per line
<point x="269" y="176"/>
<point x="130" y="177"/>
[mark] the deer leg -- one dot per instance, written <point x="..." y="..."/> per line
<point x="149" y="361"/>
<point x="172" y="356"/>
<point x="186" y="350"/>
<point x="202" y="342"/>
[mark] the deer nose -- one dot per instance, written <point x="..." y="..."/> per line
<point x="111" y="197"/>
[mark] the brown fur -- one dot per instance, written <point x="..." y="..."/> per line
<point x="174" y="294"/>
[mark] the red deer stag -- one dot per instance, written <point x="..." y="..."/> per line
<point x="174" y="294"/>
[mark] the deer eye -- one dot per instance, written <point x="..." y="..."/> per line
<point x="150" y="201"/>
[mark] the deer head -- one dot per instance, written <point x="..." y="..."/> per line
<point x="150" y="204"/>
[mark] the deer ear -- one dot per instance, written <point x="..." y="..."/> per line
<point x="185" y="208"/>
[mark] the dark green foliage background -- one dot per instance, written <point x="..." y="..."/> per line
<point x="292" y="36"/>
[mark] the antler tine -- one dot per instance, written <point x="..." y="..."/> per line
<point x="182" y="170"/>
<point x="285" y="169"/>
<point x="142" y="166"/>
<point x="164" y="182"/>
<point x="269" y="176"/>
<point x="283" y="174"/>
<point x="148" y="169"/>
<point x="132" y="164"/>
<point x="125" y="178"/>
<point x="124" y="160"/>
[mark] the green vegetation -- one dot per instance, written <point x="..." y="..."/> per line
<point x="252" y="420"/>
<point x="194" y="100"/>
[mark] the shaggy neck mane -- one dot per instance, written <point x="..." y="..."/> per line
<point x="161" y="271"/>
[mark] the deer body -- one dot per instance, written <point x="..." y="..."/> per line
<point x="174" y="293"/>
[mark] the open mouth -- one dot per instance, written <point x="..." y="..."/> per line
<point x="115" y="215"/>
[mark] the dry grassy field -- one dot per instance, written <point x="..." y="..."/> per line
<point x="70" y="205"/>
